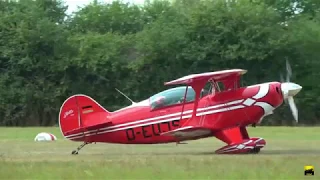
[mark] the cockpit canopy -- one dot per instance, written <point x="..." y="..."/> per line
<point x="172" y="96"/>
<point x="219" y="81"/>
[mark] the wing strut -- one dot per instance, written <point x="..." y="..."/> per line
<point x="184" y="101"/>
<point x="197" y="87"/>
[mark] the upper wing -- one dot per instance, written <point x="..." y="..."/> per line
<point x="217" y="76"/>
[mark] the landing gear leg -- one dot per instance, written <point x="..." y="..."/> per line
<point x="75" y="152"/>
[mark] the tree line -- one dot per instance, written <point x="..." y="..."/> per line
<point x="46" y="55"/>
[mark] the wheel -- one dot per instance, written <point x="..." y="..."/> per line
<point x="74" y="152"/>
<point x="255" y="150"/>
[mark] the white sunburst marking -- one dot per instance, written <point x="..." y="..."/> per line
<point x="263" y="91"/>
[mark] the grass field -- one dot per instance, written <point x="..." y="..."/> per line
<point x="288" y="149"/>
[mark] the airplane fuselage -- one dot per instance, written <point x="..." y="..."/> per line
<point x="140" y="124"/>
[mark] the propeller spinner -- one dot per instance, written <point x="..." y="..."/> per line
<point x="289" y="90"/>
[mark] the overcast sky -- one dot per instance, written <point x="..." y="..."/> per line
<point x="74" y="3"/>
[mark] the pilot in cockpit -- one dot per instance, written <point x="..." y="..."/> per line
<point x="203" y="93"/>
<point x="159" y="102"/>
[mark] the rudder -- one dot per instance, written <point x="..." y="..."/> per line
<point x="78" y="112"/>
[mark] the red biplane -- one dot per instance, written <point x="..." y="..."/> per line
<point x="182" y="113"/>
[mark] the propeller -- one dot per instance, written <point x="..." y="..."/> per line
<point x="289" y="90"/>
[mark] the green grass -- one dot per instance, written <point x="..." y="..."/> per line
<point x="288" y="149"/>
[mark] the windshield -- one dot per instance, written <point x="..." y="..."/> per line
<point x="171" y="97"/>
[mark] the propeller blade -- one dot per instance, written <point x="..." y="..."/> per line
<point x="282" y="81"/>
<point x="286" y="101"/>
<point x="289" y="70"/>
<point x="281" y="78"/>
<point x="293" y="108"/>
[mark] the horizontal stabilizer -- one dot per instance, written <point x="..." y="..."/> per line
<point x="99" y="126"/>
<point x="89" y="128"/>
<point x="188" y="132"/>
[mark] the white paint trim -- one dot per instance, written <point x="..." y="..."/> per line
<point x="263" y="91"/>
<point x="240" y="146"/>
<point x="265" y="106"/>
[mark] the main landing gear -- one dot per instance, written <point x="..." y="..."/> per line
<point x="255" y="150"/>
<point x="247" y="146"/>
<point x="75" y="152"/>
<point x="180" y="143"/>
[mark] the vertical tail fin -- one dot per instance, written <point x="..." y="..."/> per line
<point x="79" y="112"/>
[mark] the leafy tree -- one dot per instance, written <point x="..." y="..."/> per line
<point x="31" y="46"/>
<point x="116" y="17"/>
<point x="47" y="55"/>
